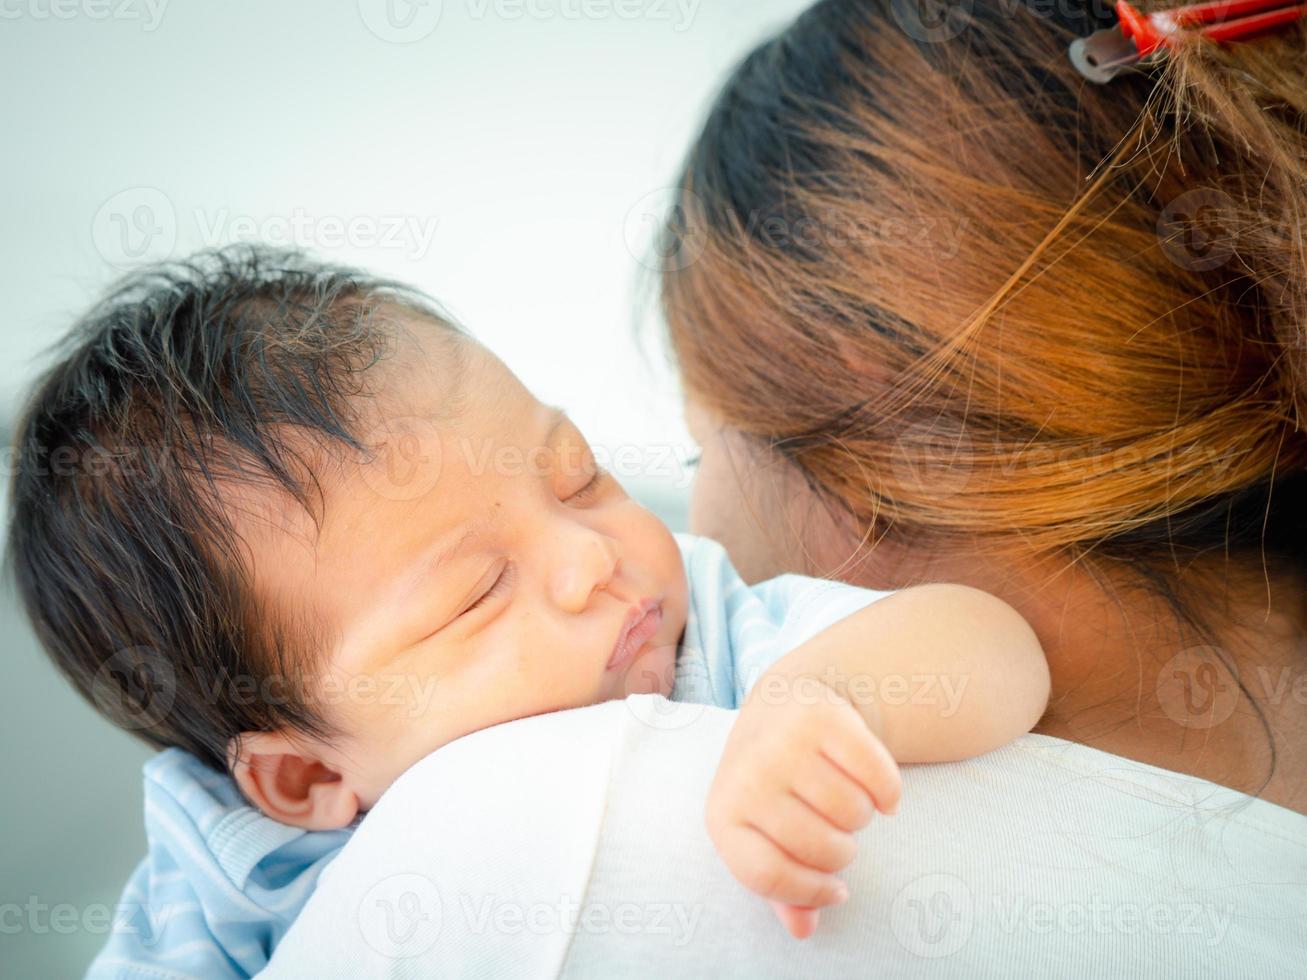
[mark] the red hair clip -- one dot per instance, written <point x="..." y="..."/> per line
<point x="1138" y="36"/>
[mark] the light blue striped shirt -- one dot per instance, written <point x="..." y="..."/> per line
<point x="221" y="883"/>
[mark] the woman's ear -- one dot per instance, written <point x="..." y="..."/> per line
<point x="290" y="784"/>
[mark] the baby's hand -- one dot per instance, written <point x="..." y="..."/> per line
<point x="800" y="772"/>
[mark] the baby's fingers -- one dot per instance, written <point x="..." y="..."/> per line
<point x="804" y="834"/>
<point x="763" y="867"/>
<point x="864" y="758"/>
<point x="835" y="795"/>
<point x="798" y="922"/>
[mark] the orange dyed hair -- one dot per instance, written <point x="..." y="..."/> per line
<point x="970" y="295"/>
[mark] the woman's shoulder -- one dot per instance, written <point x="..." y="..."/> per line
<point x="1043" y="851"/>
<point x="586" y="854"/>
<point x="1199" y="800"/>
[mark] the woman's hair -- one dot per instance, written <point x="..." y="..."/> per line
<point x="970" y="295"/>
<point x="230" y="369"/>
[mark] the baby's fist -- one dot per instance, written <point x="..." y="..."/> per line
<point x="797" y="777"/>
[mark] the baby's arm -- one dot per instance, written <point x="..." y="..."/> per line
<point x="934" y="673"/>
<point x="938" y="672"/>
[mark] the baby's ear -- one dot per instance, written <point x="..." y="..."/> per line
<point x="288" y="783"/>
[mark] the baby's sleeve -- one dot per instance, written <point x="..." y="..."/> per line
<point x="219" y="886"/>
<point x="143" y="946"/>
<point x="736" y="631"/>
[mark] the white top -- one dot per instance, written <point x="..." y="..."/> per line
<point x="572" y="844"/>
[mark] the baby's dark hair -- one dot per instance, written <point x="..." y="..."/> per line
<point x="187" y="374"/>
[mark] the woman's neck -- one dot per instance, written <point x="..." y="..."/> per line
<point x="1128" y="679"/>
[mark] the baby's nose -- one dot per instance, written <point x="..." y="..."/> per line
<point x="591" y="567"/>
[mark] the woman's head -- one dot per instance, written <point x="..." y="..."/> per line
<point x="980" y="306"/>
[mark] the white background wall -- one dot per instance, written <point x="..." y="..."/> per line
<point x="518" y="148"/>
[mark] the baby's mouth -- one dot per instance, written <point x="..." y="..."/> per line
<point x="641" y="624"/>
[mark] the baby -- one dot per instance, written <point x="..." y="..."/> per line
<point x="462" y="561"/>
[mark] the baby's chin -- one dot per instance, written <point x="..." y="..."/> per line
<point x="653" y="672"/>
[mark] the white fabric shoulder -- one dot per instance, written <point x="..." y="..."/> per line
<point x="475" y="833"/>
<point x="572" y="844"/>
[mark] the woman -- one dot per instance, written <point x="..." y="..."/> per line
<point x="991" y="324"/>
<point x="944" y="311"/>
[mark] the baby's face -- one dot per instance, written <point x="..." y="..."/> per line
<point x="480" y="569"/>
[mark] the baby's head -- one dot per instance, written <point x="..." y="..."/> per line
<point x="288" y="517"/>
